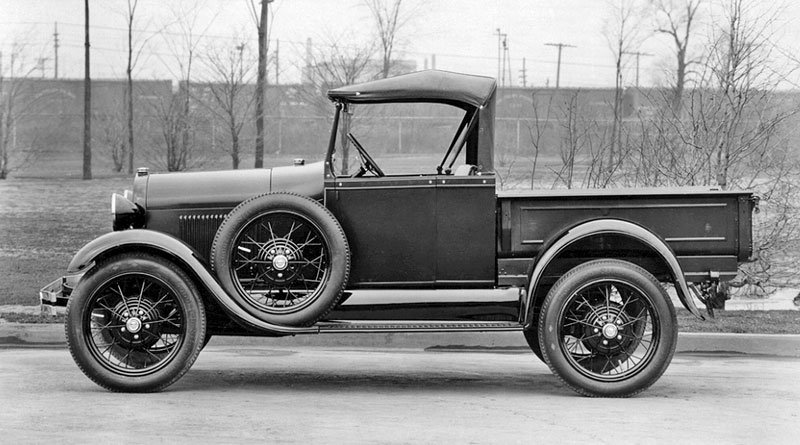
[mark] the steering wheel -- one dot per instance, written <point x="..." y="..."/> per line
<point x="367" y="163"/>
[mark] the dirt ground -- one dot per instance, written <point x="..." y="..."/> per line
<point x="312" y="395"/>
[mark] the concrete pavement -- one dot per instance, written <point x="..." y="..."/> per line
<point x="370" y="395"/>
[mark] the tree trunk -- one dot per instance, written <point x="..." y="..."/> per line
<point x="680" y="80"/>
<point x="87" y="101"/>
<point x="234" y="148"/>
<point x="129" y="96"/>
<point x="260" y="81"/>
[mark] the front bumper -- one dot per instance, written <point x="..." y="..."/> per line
<point x="53" y="297"/>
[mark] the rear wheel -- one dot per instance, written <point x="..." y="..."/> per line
<point x="136" y="323"/>
<point x="608" y="329"/>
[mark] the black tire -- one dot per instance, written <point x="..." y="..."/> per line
<point x="532" y="337"/>
<point x="135" y="323"/>
<point x="607" y="329"/>
<point x="206" y="340"/>
<point x="283" y="257"/>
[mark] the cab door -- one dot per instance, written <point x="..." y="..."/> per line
<point x="466" y="238"/>
<point x="390" y="224"/>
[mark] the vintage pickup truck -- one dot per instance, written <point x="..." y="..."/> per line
<point x="313" y="249"/>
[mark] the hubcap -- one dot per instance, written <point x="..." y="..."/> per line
<point x="280" y="262"/>
<point x="610" y="331"/>
<point x="133" y="325"/>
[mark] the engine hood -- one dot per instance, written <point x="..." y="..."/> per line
<point x="226" y="188"/>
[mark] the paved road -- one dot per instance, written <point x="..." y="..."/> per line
<point x="314" y="395"/>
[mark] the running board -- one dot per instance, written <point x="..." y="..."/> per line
<point x="339" y="327"/>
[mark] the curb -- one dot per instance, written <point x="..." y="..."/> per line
<point x="26" y="335"/>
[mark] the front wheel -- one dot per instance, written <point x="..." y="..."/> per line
<point x="607" y="329"/>
<point x="136" y="323"/>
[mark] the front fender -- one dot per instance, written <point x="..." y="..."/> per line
<point x="137" y="240"/>
<point x="600" y="227"/>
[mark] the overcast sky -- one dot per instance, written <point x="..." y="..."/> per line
<point x="461" y="34"/>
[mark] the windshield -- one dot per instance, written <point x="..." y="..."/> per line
<point x="401" y="138"/>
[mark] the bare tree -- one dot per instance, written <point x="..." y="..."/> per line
<point x="675" y="19"/>
<point x="537" y="129"/>
<point x="337" y="64"/>
<point x="129" y="85"/>
<point x="733" y="131"/>
<point x="19" y="98"/>
<point x="111" y="136"/>
<point x="623" y="32"/>
<point x="228" y="85"/>
<point x="134" y="51"/>
<point x="175" y="145"/>
<point x="176" y="114"/>
<point x="390" y="17"/>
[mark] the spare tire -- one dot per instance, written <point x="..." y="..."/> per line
<point x="283" y="257"/>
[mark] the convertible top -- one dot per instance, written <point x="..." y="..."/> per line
<point x="474" y="94"/>
<point x="422" y="86"/>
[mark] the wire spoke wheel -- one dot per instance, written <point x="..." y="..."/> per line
<point x="135" y="324"/>
<point x="280" y="262"/>
<point x="608" y="330"/>
<point x="283" y="258"/>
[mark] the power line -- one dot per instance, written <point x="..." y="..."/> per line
<point x="302" y="45"/>
<point x="637" y="54"/>
<point x="560" y="46"/>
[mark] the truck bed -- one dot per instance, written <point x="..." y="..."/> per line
<point x="708" y="229"/>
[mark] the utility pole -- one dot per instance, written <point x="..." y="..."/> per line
<point x="87" y="100"/>
<point x="524" y="74"/>
<point x="55" y="51"/>
<point x="433" y="61"/>
<point x="560" y="46"/>
<point x="500" y="39"/>
<point x="277" y="61"/>
<point x="638" y="54"/>
<point x="506" y="62"/>
<point x="261" y="82"/>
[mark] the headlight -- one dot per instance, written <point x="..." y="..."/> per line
<point x="126" y="214"/>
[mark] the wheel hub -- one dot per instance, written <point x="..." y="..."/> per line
<point x="278" y="256"/>
<point x="606" y="328"/>
<point x="134" y="325"/>
<point x="610" y="331"/>
<point x="280" y="262"/>
<point x="136" y="318"/>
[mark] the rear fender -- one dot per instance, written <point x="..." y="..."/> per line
<point x="601" y="227"/>
<point x="137" y="240"/>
